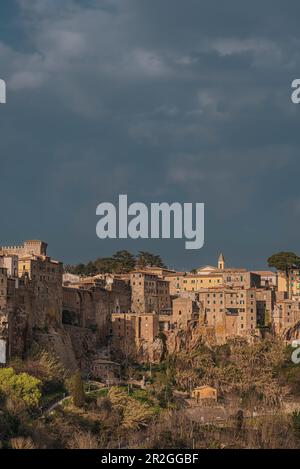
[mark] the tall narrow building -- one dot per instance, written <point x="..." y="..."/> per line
<point x="221" y="262"/>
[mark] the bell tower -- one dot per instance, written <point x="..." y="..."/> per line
<point x="221" y="262"/>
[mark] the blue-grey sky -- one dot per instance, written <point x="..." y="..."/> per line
<point x="163" y="100"/>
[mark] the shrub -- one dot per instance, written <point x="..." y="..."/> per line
<point x="22" y="443"/>
<point x="76" y="389"/>
<point x="20" y="388"/>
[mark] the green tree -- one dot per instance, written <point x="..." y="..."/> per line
<point x="121" y="262"/>
<point x="146" y="259"/>
<point x="78" y="269"/>
<point x="285" y="262"/>
<point x="76" y="388"/>
<point x="20" y="388"/>
<point x="296" y="423"/>
<point x="125" y="261"/>
<point x="105" y="265"/>
<point x="90" y="269"/>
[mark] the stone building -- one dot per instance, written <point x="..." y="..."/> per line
<point x="32" y="292"/>
<point x="45" y="276"/>
<point x="228" y="309"/>
<point x="29" y="248"/>
<point x="265" y="301"/>
<point x="185" y="311"/>
<point x="4" y="331"/>
<point x="91" y="305"/>
<point x="3" y="289"/>
<point x="76" y="316"/>
<point x="175" y="282"/>
<point x="241" y="278"/>
<point x="106" y="370"/>
<point x="149" y="293"/>
<point x="134" y="334"/>
<point x="285" y="315"/>
<point x="161" y="272"/>
<point x="195" y="282"/>
<point x="17" y="303"/>
<point x="268" y="278"/>
<point x="10" y="262"/>
<point x="222" y="275"/>
<point x="72" y="321"/>
<point x="205" y="394"/>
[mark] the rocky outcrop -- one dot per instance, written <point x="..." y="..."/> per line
<point x="84" y="345"/>
<point x="292" y="333"/>
<point x="74" y="346"/>
<point x="18" y="331"/>
<point x="190" y="338"/>
<point x="3" y="326"/>
<point x="59" y="344"/>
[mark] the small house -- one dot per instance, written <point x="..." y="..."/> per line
<point x="205" y="394"/>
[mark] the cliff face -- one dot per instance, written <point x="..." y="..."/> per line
<point x="177" y="340"/>
<point x="190" y="338"/>
<point x="59" y="344"/>
<point x="293" y="333"/>
<point x="73" y="346"/>
<point x="73" y="326"/>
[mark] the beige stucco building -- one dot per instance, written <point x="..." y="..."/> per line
<point x="228" y="309"/>
<point x="205" y="393"/>
<point x="211" y="276"/>
<point x="294" y="282"/>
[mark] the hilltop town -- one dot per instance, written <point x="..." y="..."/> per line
<point x="181" y="338"/>
<point x="86" y="319"/>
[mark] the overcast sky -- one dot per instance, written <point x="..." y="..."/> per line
<point x="163" y="100"/>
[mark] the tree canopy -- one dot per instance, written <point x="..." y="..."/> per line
<point x="121" y="262"/>
<point x="76" y="389"/>
<point x="21" y="388"/>
<point x="284" y="261"/>
<point x="145" y="259"/>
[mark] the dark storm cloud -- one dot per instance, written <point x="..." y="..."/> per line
<point x="162" y="100"/>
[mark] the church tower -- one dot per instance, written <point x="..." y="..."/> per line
<point x="221" y="262"/>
